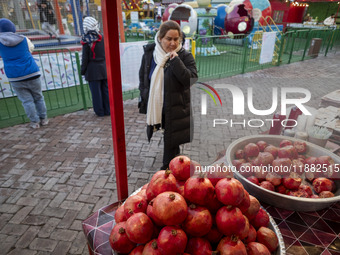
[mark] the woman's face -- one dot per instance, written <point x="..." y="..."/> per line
<point x="170" y="41"/>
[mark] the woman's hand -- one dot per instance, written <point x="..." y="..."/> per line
<point x="173" y="54"/>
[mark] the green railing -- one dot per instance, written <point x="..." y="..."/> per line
<point x="216" y="57"/>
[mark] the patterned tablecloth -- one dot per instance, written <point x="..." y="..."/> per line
<point x="304" y="233"/>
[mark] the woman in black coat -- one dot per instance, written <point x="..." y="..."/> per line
<point x="93" y="66"/>
<point x="166" y="74"/>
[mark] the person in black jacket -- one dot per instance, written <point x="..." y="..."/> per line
<point x="47" y="18"/>
<point x="93" y="66"/>
<point x="167" y="71"/>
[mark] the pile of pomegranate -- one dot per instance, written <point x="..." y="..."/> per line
<point x="292" y="171"/>
<point x="199" y="215"/>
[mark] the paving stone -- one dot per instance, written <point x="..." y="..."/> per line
<point x="36" y="220"/>
<point x="14" y="229"/>
<point x="43" y="244"/>
<point x="62" y="248"/>
<point x="19" y="251"/>
<point x="48" y="228"/>
<point x="28" y="237"/>
<point x="64" y="235"/>
<point x="21" y="214"/>
<point x="68" y="219"/>
<point x="28" y="201"/>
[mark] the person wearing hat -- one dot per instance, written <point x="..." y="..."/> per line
<point x="22" y="72"/>
<point x="47" y="18"/>
<point x="93" y="66"/>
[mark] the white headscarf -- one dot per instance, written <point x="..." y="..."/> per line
<point x="90" y="23"/>
<point x="156" y="94"/>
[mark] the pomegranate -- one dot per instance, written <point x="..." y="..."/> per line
<point x="160" y="182"/>
<point x="306" y="188"/>
<point x="214" y="235"/>
<point x="142" y="193"/>
<point x="251" y="150"/>
<point x="253" y="179"/>
<point x="267" y="237"/>
<point x="239" y="154"/>
<point x="292" y="182"/>
<point x="153" y="217"/>
<point x="271" y="149"/>
<point x="255" y="248"/>
<point x="229" y="191"/>
<point x="198" y="190"/>
<point x="120" y="214"/>
<point x="287" y="152"/>
<point x="244" y="233"/>
<point x="180" y="167"/>
<point x="198" y="222"/>
<point x="314" y="196"/>
<point x="325" y="194"/>
<point x="281" y="189"/>
<point x="253" y="208"/>
<point x="245" y="169"/>
<point x="214" y="204"/>
<point x="322" y="184"/>
<point x="244" y="205"/>
<point x="218" y="172"/>
<point x="151" y="248"/>
<point x="298" y="166"/>
<point x="231" y="245"/>
<point x="311" y="161"/>
<point x="139" y="228"/>
<point x="180" y="187"/>
<point x="283" y="165"/>
<point x="261" y="219"/>
<point x="260" y="173"/>
<point x="145" y="185"/>
<point x="301" y="147"/>
<point x="264" y="159"/>
<point x="262" y="145"/>
<point x="230" y="220"/>
<point x="137" y="251"/>
<point x="134" y="204"/>
<point x="273" y="178"/>
<point x="251" y="235"/>
<point x="325" y="161"/>
<point x="198" y="246"/>
<point x="267" y="185"/>
<point x="119" y="240"/>
<point x="170" y="208"/>
<point x="298" y="193"/>
<point x="285" y="143"/>
<point x="172" y="240"/>
<point x="237" y="163"/>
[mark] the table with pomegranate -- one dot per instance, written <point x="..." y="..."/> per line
<point x="235" y="207"/>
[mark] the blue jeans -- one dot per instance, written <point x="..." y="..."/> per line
<point x="100" y="97"/>
<point x="30" y="94"/>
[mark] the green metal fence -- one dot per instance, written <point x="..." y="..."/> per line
<point x="216" y="57"/>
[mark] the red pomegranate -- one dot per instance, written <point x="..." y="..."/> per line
<point x="230" y="220"/>
<point x="142" y="193"/>
<point x="214" y="235"/>
<point x="170" y="208"/>
<point x="253" y="179"/>
<point x="261" y="219"/>
<point x="281" y="189"/>
<point x="214" y="204"/>
<point x="267" y="237"/>
<point x="218" y="172"/>
<point x="287" y="152"/>
<point x="298" y="166"/>
<point x="251" y="150"/>
<point x="306" y="188"/>
<point x="172" y="240"/>
<point x="139" y="228"/>
<point x="198" y="246"/>
<point x="301" y="147"/>
<point x="322" y="184"/>
<point x="271" y="149"/>
<point x="134" y="204"/>
<point x="273" y="178"/>
<point x="120" y="214"/>
<point x="180" y="167"/>
<point x="292" y="182"/>
<point x="298" y="193"/>
<point x="151" y="248"/>
<point x="326" y="194"/>
<point x="229" y="191"/>
<point x="253" y="208"/>
<point x="267" y="185"/>
<point x="239" y="154"/>
<point x="180" y="187"/>
<point x="153" y="217"/>
<point x="251" y="235"/>
<point x="237" y="163"/>
<point x="137" y="251"/>
<point x="119" y="240"/>
<point x="262" y="145"/>
<point x="160" y="182"/>
<point x="264" y="159"/>
<point x="255" y="248"/>
<point x="285" y="143"/>
<point x="198" y="222"/>
<point x="244" y="233"/>
<point x="244" y="205"/>
<point x="198" y="190"/>
<point x="231" y="245"/>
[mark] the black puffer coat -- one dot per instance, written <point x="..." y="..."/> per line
<point x="179" y="74"/>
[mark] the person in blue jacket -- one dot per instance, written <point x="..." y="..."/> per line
<point x="22" y="72"/>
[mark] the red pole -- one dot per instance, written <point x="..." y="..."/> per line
<point x="111" y="39"/>
<point x="59" y="21"/>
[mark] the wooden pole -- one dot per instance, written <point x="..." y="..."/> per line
<point x="59" y="21"/>
<point x="110" y="16"/>
<point x="120" y="21"/>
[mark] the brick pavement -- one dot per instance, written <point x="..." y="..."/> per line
<point x="54" y="177"/>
